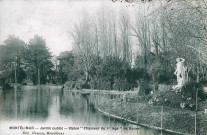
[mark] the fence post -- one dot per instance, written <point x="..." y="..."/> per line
<point x="161" y="118"/>
<point x="196" y="111"/>
<point x="137" y="116"/>
<point x="121" y="109"/>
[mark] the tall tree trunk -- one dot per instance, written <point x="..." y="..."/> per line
<point x="197" y="74"/>
<point x="87" y="75"/>
<point x="145" y="55"/>
<point x="38" y="75"/>
<point x="112" y="83"/>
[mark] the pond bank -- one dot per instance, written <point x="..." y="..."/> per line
<point x="108" y="91"/>
<point x="115" y="92"/>
<point x="139" y="124"/>
<point x="174" y="120"/>
<point x="51" y="87"/>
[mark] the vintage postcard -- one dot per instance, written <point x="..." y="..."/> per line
<point x="103" y="67"/>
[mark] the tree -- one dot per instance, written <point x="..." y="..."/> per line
<point x="125" y="37"/>
<point x="65" y="66"/>
<point x="84" y="46"/>
<point x="12" y="58"/>
<point x="39" y="60"/>
<point x="140" y="30"/>
<point x="186" y="36"/>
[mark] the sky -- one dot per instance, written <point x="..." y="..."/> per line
<point x="51" y="19"/>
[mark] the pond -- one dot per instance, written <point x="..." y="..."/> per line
<point x="50" y="109"/>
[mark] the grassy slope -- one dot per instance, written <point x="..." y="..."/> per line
<point x="175" y="119"/>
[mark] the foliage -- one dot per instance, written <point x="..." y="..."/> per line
<point x="174" y="119"/>
<point x="167" y="98"/>
<point x="38" y="59"/>
<point x="12" y="58"/>
<point x="113" y="71"/>
<point x="191" y="88"/>
<point x="100" y="83"/>
<point x="121" y="84"/>
<point x="104" y="52"/>
<point x="12" y="51"/>
<point x="186" y="96"/>
<point x="21" y="75"/>
<point x="26" y="60"/>
<point x="65" y="66"/>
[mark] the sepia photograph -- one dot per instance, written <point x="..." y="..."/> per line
<point x="103" y="67"/>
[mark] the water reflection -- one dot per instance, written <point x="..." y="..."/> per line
<point x="64" y="107"/>
<point x="21" y="104"/>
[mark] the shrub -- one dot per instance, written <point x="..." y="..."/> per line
<point x="79" y="84"/>
<point x="167" y="78"/>
<point x="70" y="84"/>
<point x="190" y="89"/>
<point x="145" y="88"/>
<point x="100" y="83"/>
<point x="121" y="84"/>
<point x="167" y="98"/>
<point x="186" y="97"/>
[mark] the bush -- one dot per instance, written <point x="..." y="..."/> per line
<point x="145" y="88"/>
<point x="70" y="84"/>
<point x="186" y="97"/>
<point x="100" y="83"/>
<point x="121" y="84"/>
<point x="110" y="74"/>
<point x="167" y="78"/>
<point x="75" y="75"/>
<point x="79" y="84"/>
<point x="167" y="98"/>
<point x="190" y="89"/>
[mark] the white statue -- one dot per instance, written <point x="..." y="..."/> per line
<point x="180" y="73"/>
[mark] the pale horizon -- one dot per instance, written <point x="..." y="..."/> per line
<point x="51" y="20"/>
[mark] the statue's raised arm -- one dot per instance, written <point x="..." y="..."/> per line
<point x="182" y="60"/>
